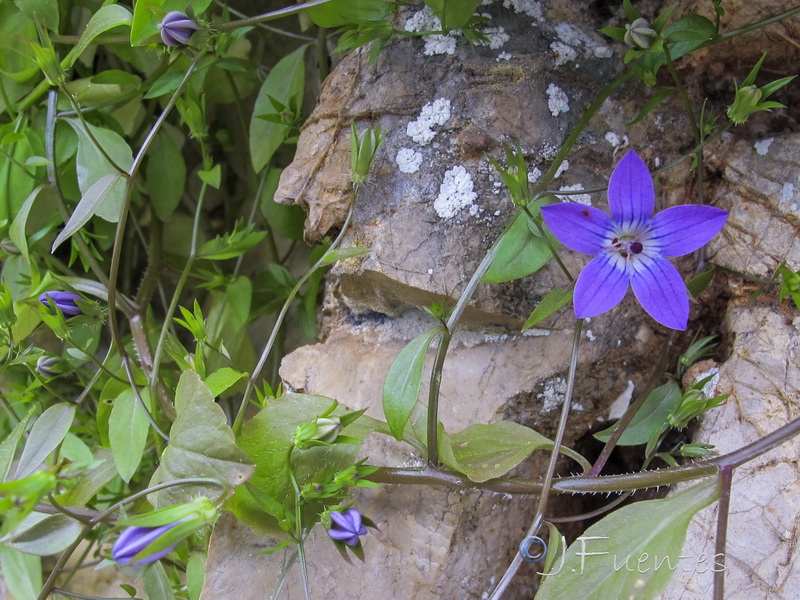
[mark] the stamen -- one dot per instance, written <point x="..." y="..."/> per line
<point x="636" y="247"/>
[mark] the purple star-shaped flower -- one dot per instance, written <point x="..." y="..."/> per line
<point x="347" y="527"/>
<point x="631" y="246"/>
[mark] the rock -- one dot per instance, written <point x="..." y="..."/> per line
<point x="762" y="378"/>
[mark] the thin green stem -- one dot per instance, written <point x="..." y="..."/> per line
<point x="241" y="15"/>
<point x="544" y="496"/>
<point x="298" y="516"/>
<point x="89" y="133"/>
<point x="237" y="423"/>
<point x="433" y="397"/>
<point x="176" y="295"/>
<point x="622" y="424"/>
<point x="720" y="543"/>
<point x="753" y="26"/>
<point x="270" y="16"/>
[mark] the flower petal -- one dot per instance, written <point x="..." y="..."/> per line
<point x="582" y="228"/>
<point x="341" y="521"/>
<point x="600" y="287"/>
<point x="660" y="290"/>
<point x="355" y="519"/>
<point x="683" y="229"/>
<point x="336" y="534"/>
<point x="631" y="196"/>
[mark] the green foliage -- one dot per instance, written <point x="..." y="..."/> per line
<point x="550" y="303"/>
<point x="453" y="13"/>
<point x="649" y="419"/>
<point x="523" y="250"/>
<point x="750" y="99"/>
<point x="403" y="381"/>
<point x="644" y="535"/>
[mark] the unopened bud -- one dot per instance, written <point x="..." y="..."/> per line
<point x="639" y="34"/>
<point x="177" y="28"/>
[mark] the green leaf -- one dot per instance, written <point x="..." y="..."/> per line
<point x="46" y="434"/>
<point x="646" y="536"/>
<point x="651" y="416"/>
<point x="195" y="574"/>
<point x="221" y="380"/>
<point x="212" y="176"/>
<point x="147" y="14"/>
<point x="22" y="573"/>
<point x="106" y="18"/>
<point x="231" y="245"/>
<point x="127" y="431"/>
<point x="156" y="582"/>
<point x="661" y="93"/>
<point x="91" y="165"/>
<point x="550" y="303"/>
<point x="44" y="11"/>
<point x="341" y="253"/>
<point x="483" y="452"/>
<point x="91" y="203"/>
<point x="403" y="381"/>
<point x="699" y="283"/>
<point x="165" y="174"/>
<point x="8" y="447"/>
<point x="284" y="81"/>
<point x="691" y="28"/>
<point x="92" y="481"/>
<point x="453" y="13"/>
<point x="520" y="252"/>
<point x="49" y="535"/>
<point x="201" y="445"/>
<point x="267" y="439"/>
<point x="344" y="12"/>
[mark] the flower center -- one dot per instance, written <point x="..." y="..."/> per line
<point x="629" y="242"/>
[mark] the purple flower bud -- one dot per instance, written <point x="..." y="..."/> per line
<point x="347" y="527"/>
<point x="135" y="539"/>
<point x="64" y="301"/>
<point x="177" y="28"/>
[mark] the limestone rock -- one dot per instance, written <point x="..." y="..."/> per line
<point x="762" y="378"/>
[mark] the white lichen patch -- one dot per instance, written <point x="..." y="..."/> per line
<point x="534" y="332"/>
<point x="455" y="194"/>
<point x="579" y="198"/>
<point x="552" y="395"/>
<point x="572" y="36"/>
<point x="762" y="146"/>
<point x="503" y="56"/>
<point x="426" y="20"/>
<point x="564" y="53"/>
<point x="496" y="37"/>
<point x="433" y="114"/>
<point x="531" y="8"/>
<point x="590" y="335"/>
<point x="534" y="174"/>
<point x="557" y="100"/>
<point x="408" y="160"/>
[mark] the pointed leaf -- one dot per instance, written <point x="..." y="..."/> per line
<point x="46" y="434"/>
<point x="17" y="229"/>
<point x="453" y="13"/>
<point x="403" y="381"/>
<point x="156" y="582"/>
<point x="284" y="81"/>
<point x="8" y="447"/>
<point x="550" y="303"/>
<point x="106" y="18"/>
<point x="483" y="452"/>
<point x="50" y="535"/>
<point x="341" y="253"/>
<point x="636" y="549"/>
<point x="90" y="204"/>
<point x="520" y="252"/>
<point x="661" y="93"/>
<point x="201" y="445"/>
<point x="650" y="417"/>
<point x="127" y="431"/>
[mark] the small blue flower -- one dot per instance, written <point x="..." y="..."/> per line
<point x="177" y="28"/>
<point x="64" y="301"/>
<point x="347" y="527"/>
<point x="135" y="539"/>
<point x="632" y="245"/>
